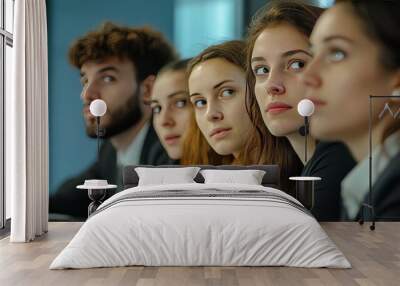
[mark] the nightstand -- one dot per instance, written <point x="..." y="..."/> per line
<point x="96" y="191"/>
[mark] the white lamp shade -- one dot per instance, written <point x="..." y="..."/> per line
<point x="98" y="107"/>
<point x="305" y="107"/>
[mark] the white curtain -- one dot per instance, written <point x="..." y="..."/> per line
<point x="27" y="124"/>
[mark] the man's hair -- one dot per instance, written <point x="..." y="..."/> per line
<point x="148" y="49"/>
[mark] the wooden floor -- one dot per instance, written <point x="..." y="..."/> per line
<point x="374" y="255"/>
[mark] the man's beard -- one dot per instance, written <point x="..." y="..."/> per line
<point x="122" y="119"/>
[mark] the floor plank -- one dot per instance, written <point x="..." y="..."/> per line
<point x="374" y="255"/>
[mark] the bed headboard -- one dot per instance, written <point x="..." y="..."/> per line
<point x="270" y="179"/>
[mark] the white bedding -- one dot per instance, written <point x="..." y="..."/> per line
<point x="183" y="231"/>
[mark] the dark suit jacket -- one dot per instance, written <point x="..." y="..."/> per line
<point x="386" y="193"/>
<point x="70" y="201"/>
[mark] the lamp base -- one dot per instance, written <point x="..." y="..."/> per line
<point x="305" y="193"/>
<point x="305" y="190"/>
<point x="97" y="196"/>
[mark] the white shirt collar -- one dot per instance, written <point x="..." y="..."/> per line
<point x="131" y="155"/>
<point x="355" y="185"/>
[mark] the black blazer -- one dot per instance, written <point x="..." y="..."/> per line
<point x="68" y="200"/>
<point x="386" y="193"/>
<point x="331" y="161"/>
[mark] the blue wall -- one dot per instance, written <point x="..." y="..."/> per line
<point x="193" y="33"/>
<point x="70" y="149"/>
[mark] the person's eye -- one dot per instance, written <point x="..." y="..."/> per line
<point x="199" y="103"/>
<point x="336" y="55"/>
<point x="156" y="109"/>
<point x="180" y="103"/>
<point x="227" y="92"/>
<point x="108" y="78"/>
<point x="260" y="70"/>
<point x="297" y="65"/>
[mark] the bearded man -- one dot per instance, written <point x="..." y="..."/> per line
<point x="118" y="65"/>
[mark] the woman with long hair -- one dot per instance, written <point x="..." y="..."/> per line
<point x="277" y="52"/>
<point x="356" y="48"/>
<point x="171" y="107"/>
<point x="220" y="126"/>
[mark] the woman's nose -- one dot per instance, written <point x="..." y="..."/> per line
<point x="214" y="114"/>
<point x="275" y="84"/>
<point x="311" y="75"/>
<point x="275" y="89"/>
<point x="167" y="119"/>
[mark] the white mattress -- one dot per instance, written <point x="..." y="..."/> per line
<point x="183" y="231"/>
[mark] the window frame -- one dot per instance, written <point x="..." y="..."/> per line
<point x="6" y="39"/>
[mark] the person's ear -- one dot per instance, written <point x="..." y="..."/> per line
<point x="147" y="88"/>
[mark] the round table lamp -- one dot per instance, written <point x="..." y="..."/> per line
<point x="96" y="188"/>
<point x="305" y="185"/>
<point x="98" y="108"/>
<point x="305" y="108"/>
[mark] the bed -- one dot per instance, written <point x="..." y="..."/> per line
<point x="201" y="224"/>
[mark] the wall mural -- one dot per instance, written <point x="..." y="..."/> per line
<point x="233" y="101"/>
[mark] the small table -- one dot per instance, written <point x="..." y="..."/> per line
<point x="305" y="190"/>
<point x="96" y="195"/>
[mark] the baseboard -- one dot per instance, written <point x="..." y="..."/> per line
<point x="4" y="232"/>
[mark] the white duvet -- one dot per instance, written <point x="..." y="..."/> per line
<point x="200" y="231"/>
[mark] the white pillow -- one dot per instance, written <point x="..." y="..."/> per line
<point x="162" y="176"/>
<point x="248" y="177"/>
